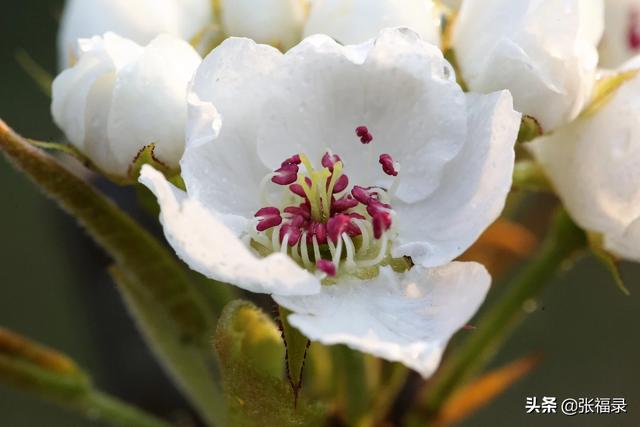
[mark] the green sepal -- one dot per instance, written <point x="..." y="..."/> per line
<point x="605" y="88"/>
<point x="251" y="355"/>
<point x="529" y="175"/>
<point x="610" y="261"/>
<point x="296" y="346"/>
<point x="530" y="129"/>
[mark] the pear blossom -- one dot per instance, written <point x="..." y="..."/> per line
<point x="343" y="180"/>
<point x="593" y="166"/>
<point x="120" y="97"/>
<point x="355" y="21"/>
<point x="544" y="52"/>
<point x="275" y="22"/>
<point x="621" y="39"/>
<point x="138" y="20"/>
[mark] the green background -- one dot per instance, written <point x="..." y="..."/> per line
<point x="53" y="287"/>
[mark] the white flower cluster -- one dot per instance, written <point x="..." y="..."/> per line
<point x="344" y="174"/>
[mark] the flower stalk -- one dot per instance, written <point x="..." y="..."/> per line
<point x="562" y="243"/>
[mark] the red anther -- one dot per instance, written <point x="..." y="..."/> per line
<point x="356" y="215"/>
<point x="341" y="184"/>
<point x="328" y="160"/>
<point x="353" y="230"/>
<point x="361" y="194"/>
<point x="297" y="190"/>
<point x="381" y="223"/>
<point x="292" y="231"/>
<point x="337" y="225"/>
<point x="302" y="210"/>
<point x="376" y="207"/>
<point x="387" y="165"/>
<point x="326" y="267"/>
<point x="267" y="218"/>
<point x="633" y="30"/>
<point x="293" y="160"/>
<point x="362" y="131"/>
<point x="287" y="174"/>
<point x="366" y="139"/>
<point x="343" y="204"/>
<point x="319" y="230"/>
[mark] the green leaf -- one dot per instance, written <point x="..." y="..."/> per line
<point x="251" y="353"/>
<point x="41" y="77"/>
<point x="530" y="129"/>
<point x="35" y="369"/>
<point x="607" y="259"/>
<point x="296" y="345"/>
<point x="150" y="270"/>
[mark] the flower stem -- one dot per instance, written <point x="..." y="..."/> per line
<point x="563" y="241"/>
<point x="173" y="316"/>
<point x="100" y="406"/>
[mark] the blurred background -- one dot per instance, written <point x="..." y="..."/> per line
<point x="54" y="288"/>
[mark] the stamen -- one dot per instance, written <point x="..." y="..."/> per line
<point x="267" y="218"/>
<point x="351" y="251"/>
<point x="285" y="175"/>
<point x="316" y="249"/>
<point x="364" y="134"/>
<point x="329" y="159"/>
<point x="381" y="223"/>
<point x="336" y="226"/>
<point x="387" y="165"/>
<point x="304" y="251"/>
<point x="293" y="160"/>
<point x="381" y="253"/>
<point x="326" y="267"/>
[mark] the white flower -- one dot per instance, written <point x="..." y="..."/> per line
<point x="593" y="165"/>
<point x="355" y="21"/>
<point x="120" y="97"/>
<point x="275" y="22"/>
<point x="138" y="20"/>
<point x="621" y="39"/>
<point x="544" y="52"/>
<point x="326" y="164"/>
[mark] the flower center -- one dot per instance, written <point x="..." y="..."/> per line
<point x="321" y="221"/>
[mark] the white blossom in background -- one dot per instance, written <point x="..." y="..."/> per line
<point x="138" y="20"/>
<point x="621" y="39"/>
<point x="544" y="52"/>
<point x="593" y="165"/>
<point x="275" y="22"/>
<point x="310" y="174"/>
<point x="120" y="97"/>
<point x="355" y="21"/>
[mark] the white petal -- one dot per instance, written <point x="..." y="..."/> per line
<point x="202" y="241"/>
<point x="593" y="164"/>
<point x="149" y="101"/>
<point x="81" y="95"/>
<point x="355" y="21"/>
<point x="473" y="189"/>
<point x="220" y="165"/>
<point x="138" y="20"/>
<point x="622" y="18"/>
<point x="275" y="22"/>
<point x="407" y="318"/>
<point x="399" y="86"/>
<point x="120" y="97"/>
<point x="543" y="52"/>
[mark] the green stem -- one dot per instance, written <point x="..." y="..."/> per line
<point x="564" y="239"/>
<point x="353" y="388"/>
<point x="100" y="406"/>
<point x="148" y="266"/>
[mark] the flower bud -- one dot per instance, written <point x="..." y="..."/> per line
<point x="275" y="22"/>
<point x="120" y="97"/>
<point x="138" y="20"/>
<point x="543" y="52"/>
<point x="355" y="21"/>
